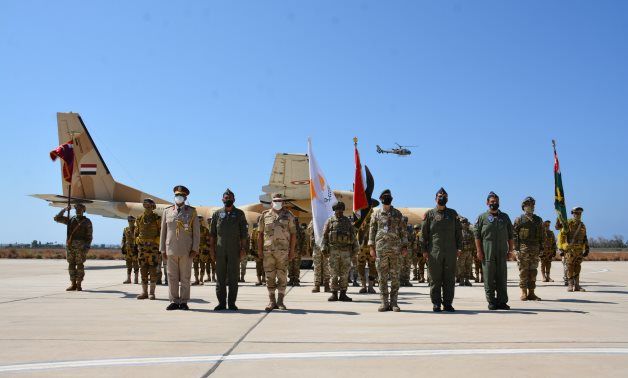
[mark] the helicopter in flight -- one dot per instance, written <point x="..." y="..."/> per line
<point x="400" y="150"/>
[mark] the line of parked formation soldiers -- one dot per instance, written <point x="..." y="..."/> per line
<point x="383" y="242"/>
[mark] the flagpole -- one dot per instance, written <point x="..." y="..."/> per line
<point x="69" y="196"/>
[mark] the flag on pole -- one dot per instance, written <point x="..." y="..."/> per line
<point x="321" y="196"/>
<point x="359" y="195"/>
<point x="559" y="193"/>
<point x="66" y="153"/>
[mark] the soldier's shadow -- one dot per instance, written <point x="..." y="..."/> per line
<point x="105" y="267"/>
<point x="127" y="295"/>
<point x="322" y="312"/>
<point x="531" y="311"/>
<point x="573" y="300"/>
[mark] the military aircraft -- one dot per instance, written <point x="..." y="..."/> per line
<point x="400" y="150"/>
<point x="94" y="186"/>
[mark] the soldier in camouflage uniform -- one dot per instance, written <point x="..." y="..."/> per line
<point x="129" y="250"/>
<point x="405" y="264"/>
<point x="147" y="230"/>
<point x="418" y="261"/>
<point x="295" y="264"/>
<point x="573" y="240"/>
<point x="549" y="251"/>
<point x="78" y="242"/>
<point x="465" y="261"/>
<point x="364" y="258"/>
<point x="340" y="244"/>
<point x="259" y="263"/>
<point x="276" y="244"/>
<point x="529" y="238"/>
<point x="321" y="264"/>
<point x="197" y="263"/>
<point x="387" y="240"/>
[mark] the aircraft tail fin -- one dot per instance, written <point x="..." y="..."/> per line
<point x="379" y="149"/>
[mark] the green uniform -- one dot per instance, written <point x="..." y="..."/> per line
<point x="441" y="236"/>
<point x="340" y="244"/>
<point x="229" y="231"/>
<point x="529" y="236"/>
<point x="78" y="241"/>
<point x="494" y="232"/>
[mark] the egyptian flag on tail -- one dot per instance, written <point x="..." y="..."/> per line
<point x="88" y="169"/>
<point x="559" y="193"/>
<point x="359" y="195"/>
<point x="66" y="153"/>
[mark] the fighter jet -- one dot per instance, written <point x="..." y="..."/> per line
<point x="94" y="186"/>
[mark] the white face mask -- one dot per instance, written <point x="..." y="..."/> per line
<point x="179" y="200"/>
<point x="277" y="205"/>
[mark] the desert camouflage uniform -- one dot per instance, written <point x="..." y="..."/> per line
<point x="244" y="260"/>
<point x="465" y="261"/>
<point x="295" y="264"/>
<point x="129" y="250"/>
<point x="199" y="262"/>
<point x="549" y="251"/>
<point x="576" y="246"/>
<point x="340" y="244"/>
<point x="529" y="236"/>
<point x="79" y="240"/>
<point x="259" y="263"/>
<point x="321" y="263"/>
<point x="405" y="263"/>
<point x="277" y="229"/>
<point x="147" y="230"/>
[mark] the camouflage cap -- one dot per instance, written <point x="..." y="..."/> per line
<point x="338" y="206"/>
<point x="181" y="190"/>
<point x="149" y="200"/>
<point x="577" y="209"/>
<point x="528" y="199"/>
<point x="386" y="192"/>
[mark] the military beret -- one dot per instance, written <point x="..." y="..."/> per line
<point x="492" y="195"/>
<point x="338" y="206"/>
<point x="149" y="200"/>
<point x="441" y="191"/>
<point x="130" y="218"/>
<point x="577" y="210"/>
<point x="181" y="190"/>
<point x="228" y="192"/>
<point x="386" y="192"/>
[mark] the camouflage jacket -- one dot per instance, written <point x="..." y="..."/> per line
<point x="148" y="228"/>
<point x="277" y="228"/>
<point x="468" y="241"/>
<point x="549" y="245"/>
<point x="574" y="236"/>
<point x="339" y="234"/>
<point x="79" y="228"/>
<point x="387" y="231"/>
<point x="528" y="230"/>
<point x="128" y="241"/>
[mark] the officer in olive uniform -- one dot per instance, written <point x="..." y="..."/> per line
<point x="529" y="239"/>
<point x="387" y="240"/>
<point x="494" y="243"/>
<point x="441" y="236"/>
<point x="549" y="251"/>
<point x="276" y="244"/>
<point x="129" y="250"/>
<point x="573" y="240"/>
<point x="78" y="243"/>
<point x="340" y="244"/>
<point x="229" y="237"/>
<point x="147" y="228"/>
<point x="199" y="261"/>
<point x="179" y="244"/>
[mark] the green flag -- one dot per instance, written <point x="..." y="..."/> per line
<point x="559" y="193"/>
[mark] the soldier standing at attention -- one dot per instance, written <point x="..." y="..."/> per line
<point x="418" y="261"/>
<point x="180" y="240"/>
<point x="529" y="238"/>
<point x="549" y="251"/>
<point x="294" y="275"/>
<point x="276" y="244"/>
<point x="78" y="243"/>
<point x="364" y="258"/>
<point x="573" y="240"/>
<point x="387" y="240"/>
<point x="259" y="263"/>
<point x="340" y="244"/>
<point x="321" y="263"/>
<point x="494" y="243"/>
<point x="199" y="261"/>
<point x="441" y="236"/>
<point x="147" y="228"/>
<point x="465" y="260"/>
<point x="228" y="245"/>
<point x="405" y="264"/>
<point x="129" y="250"/>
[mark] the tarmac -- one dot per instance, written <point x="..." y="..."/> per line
<point x="105" y="331"/>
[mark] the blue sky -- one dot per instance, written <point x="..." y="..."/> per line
<point x="204" y="93"/>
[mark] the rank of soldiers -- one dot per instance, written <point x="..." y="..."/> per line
<point x="383" y="251"/>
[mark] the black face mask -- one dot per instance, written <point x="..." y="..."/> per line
<point x="494" y="206"/>
<point x="386" y="200"/>
<point x="228" y="203"/>
<point x="442" y="201"/>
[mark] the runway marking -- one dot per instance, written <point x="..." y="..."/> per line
<point x="306" y="356"/>
<point x="600" y="271"/>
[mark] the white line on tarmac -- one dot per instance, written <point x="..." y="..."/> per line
<point x="305" y="356"/>
<point x="600" y="271"/>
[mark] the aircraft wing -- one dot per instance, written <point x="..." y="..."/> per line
<point x="290" y="176"/>
<point x="107" y="209"/>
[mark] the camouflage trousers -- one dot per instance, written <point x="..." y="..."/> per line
<point x="464" y="263"/>
<point x="404" y="268"/>
<point x="364" y="259"/>
<point x="243" y="262"/>
<point x="76" y="254"/>
<point x="204" y="264"/>
<point x="276" y="267"/>
<point x="573" y="260"/>
<point x="339" y="265"/>
<point x="387" y="263"/>
<point x="321" y="268"/>
<point x="418" y="264"/>
<point x="295" y="268"/>
<point x="132" y="263"/>
<point x="528" y="259"/>
<point x="546" y="263"/>
<point x="196" y="261"/>
<point x="148" y="259"/>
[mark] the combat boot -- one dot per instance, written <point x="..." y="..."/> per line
<point x="316" y="289"/>
<point x="363" y="289"/>
<point x="343" y="296"/>
<point x="242" y="278"/>
<point x="477" y="278"/>
<point x="151" y="296"/>
<point x="460" y="282"/>
<point x="72" y="287"/>
<point x="570" y="285"/>
<point x="144" y="294"/>
<point x="370" y="289"/>
<point x="549" y="279"/>
<point x="327" y="288"/>
<point x="128" y="279"/>
<point x="290" y="282"/>
<point x="78" y="286"/>
<point x="135" y="281"/>
<point x="524" y="294"/>
<point x="467" y="282"/>
<point x="532" y="296"/>
<point x="213" y="277"/>
<point x="577" y="286"/>
<point x="333" y="297"/>
<point x="384" y="307"/>
<point x="272" y="304"/>
<point x="280" y="304"/>
<point x="196" y="282"/>
<point x="297" y="282"/>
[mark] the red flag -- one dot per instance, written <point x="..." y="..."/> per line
<point x="359" y="196"/>
<point x="66" y="153"/>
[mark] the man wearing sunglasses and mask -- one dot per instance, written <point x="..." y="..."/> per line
<point x="494" y="243"/>
<point x="228" y="243"/>
<point x="441" y="236"/>
<point x="78" y="242"/>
